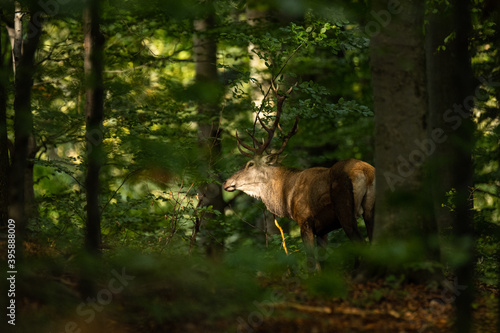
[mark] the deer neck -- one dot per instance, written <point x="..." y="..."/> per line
<point x="274" y="193"/>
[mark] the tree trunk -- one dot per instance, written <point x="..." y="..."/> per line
<point x="463" y="140"/>
<point x="23" y="121"/>
<point x="210" y="90"/>
<point x="93" y="67"/>
<point x="404" y="211"/>
<point x="29" y="191"/>
<point x="441" y="76"/>
<point x="259" y="71"/>
<point x="450" y="104"/>
<point x="4" y="141"/>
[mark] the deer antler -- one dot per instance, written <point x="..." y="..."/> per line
<point x="262" y="147"/>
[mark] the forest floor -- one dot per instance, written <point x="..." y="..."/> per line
<point x="369" y="307"/>
<point x="376" y="306"/>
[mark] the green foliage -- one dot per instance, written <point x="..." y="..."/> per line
<point x="197" y="290"/>
<point x="450" y="197"/>
<point x="159" y="290"/>
<point x="329" y="284"/>
<point x="154" y="166"/>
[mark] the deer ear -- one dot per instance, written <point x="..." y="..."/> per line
<point x="272" y="159"/>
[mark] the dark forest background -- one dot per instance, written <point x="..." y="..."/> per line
<point x="117" y="129"/>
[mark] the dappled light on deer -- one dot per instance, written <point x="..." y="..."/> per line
<point x="319" y="199"/>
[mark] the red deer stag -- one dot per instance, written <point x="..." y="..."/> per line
<point x="319" y="199"/>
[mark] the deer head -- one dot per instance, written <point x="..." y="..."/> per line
<point x="262" y="166"/>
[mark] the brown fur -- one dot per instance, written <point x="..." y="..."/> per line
<point x="320" y="200"/>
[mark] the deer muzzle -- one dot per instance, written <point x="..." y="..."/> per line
<point x="229" y="185"/>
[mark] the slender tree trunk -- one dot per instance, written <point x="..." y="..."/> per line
<point x="404" y="211"/>
<point x="441" y="75"/>
<point x="450" y="104"/>
<point x="4" y="141"/>
<point x="210" y="90"/>
<point x="17" y="37"/>
<point x="463" y="140"/>
<point x="23" y="121"/>
<point x="93" y="66"/>
<point x="29" y="190"/>
<point x="258" y="69"/>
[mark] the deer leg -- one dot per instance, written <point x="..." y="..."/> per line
<point x="342" y="197"/>
<point x="368" y="217"/>
<point x="369" y="211"/>
<point x="322" y="243"/>
<point x="350" y="226"/>
<point x="308" y="239"/>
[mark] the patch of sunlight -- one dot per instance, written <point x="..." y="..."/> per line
<point x="68" y="152"/>
<point x="68" y="106"/>
<point x="110" y="122"/>
<point x="184" y="55"/>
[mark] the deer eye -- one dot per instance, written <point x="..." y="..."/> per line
<point x="250" y="164"/>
